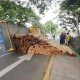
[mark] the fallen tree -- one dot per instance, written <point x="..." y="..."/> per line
<point x="29" y="44"/>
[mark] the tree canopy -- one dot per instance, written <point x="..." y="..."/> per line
<point x="41" y="5"/>
<point x="21" y="11"/>
<point x="70" y="13"/>
<point x="50" y="27"/>
<point x="12" y="12"/>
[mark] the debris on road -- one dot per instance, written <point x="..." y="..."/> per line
<point x="35" y="45"/>
<point x="65" y="49"/>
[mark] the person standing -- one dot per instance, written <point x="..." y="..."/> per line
<point x="68" y="39"/>
<point x="62" y="38"/>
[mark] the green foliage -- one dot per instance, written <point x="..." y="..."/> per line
<point x="50" y="27"/>
<point x="71" y="7"/>
<point x="13" y="12"/>
<point x="1" y="8"/>
<point x="41" y="5"/>
<point x="21" y="11"/>
<point x="70" y="4"/>
<point x="70" y="10"/>
<point x="67" y="20"/>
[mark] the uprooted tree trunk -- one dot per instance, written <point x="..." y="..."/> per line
<point x="31" y="44"/>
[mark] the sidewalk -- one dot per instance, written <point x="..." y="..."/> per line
<point x="65" y="68"/>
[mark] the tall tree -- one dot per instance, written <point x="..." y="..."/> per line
<point x="50" y="27"/>
<point x="41" y="5"/>
<point x="21" y="11"/>
<point x="13" y="12"/>
<point x="71" y="10"/>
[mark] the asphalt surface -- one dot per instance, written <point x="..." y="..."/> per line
<point x="8" y="60"/>
<point x="33" y="69"/>
<point x="65" y="68"/>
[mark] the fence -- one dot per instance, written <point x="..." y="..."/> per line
<point x="75" y="43"/>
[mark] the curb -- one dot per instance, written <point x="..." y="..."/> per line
<point x="48" y="70"/>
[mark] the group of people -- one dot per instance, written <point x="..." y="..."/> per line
<point x="65" y="38"/>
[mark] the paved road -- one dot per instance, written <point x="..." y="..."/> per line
<point x="65" y="68"/>
<point x="27" y="70"/>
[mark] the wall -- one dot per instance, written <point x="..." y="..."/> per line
<point x="13" y="29"/>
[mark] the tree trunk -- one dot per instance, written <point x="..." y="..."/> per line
<point x="77" y="25"/>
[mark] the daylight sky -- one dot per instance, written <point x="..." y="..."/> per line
<point x="51" y="14"/>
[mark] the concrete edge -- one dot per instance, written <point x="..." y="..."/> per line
<point x="48" y="70"/>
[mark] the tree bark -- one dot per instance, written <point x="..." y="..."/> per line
<point x="77" y="25"/>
